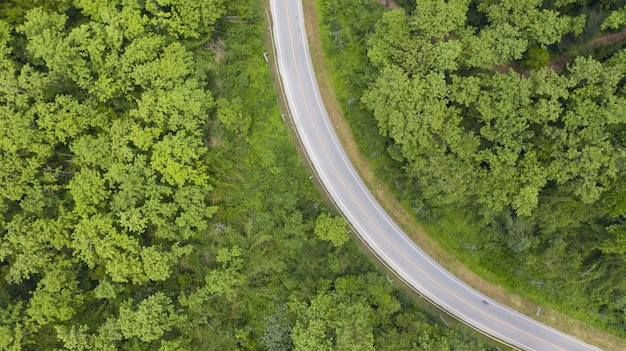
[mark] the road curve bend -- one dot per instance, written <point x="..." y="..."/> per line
<point x="371" y="222"/>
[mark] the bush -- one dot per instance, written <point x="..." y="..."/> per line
<point x="536" y="58"/>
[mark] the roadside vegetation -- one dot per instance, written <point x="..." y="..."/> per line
<point x="151" y="197"/>
<point x="500" y="125"/>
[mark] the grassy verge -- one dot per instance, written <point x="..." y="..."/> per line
<point x="367" y="150"/>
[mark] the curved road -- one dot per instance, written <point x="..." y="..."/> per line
<point x="371" y="222"/>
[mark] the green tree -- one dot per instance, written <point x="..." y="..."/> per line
<point x="329" y="319"/>
<point x="331" y="229"/>
<point x="532" y="158"/>
<point x="615" y="20"/>
<point x="495" y="45"/>
<point x="536" y="58"/>
<point x="231" y="114"/>
<point x="534" y="23"/>
<point x="57" y="295"/>
<point x="183" y="18"/>
<point x="150" y="319"/>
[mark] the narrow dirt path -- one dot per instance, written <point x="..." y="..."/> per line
<point x="559" y="63"/>
<point x="389" y="3"/>
<point x="608" y="39"/>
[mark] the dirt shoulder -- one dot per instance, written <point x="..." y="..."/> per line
<point x="407" y="221"/>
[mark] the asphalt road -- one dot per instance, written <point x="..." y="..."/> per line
<point x="371" y="222"/>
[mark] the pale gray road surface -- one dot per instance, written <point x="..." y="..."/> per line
<point x="372" y="224"/>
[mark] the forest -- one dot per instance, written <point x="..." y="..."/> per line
<point x="151" y="197"/>
<point x="502" y="124"/>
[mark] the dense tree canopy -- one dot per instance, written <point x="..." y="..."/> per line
<point x="503" y="126"/>
<point x="150" y="196"/>
<point x="477" y="132"/>
<point x="103" y="181"/>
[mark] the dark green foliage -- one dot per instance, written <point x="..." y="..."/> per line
<point x="409" y="5"/>
<point x="536" y="58"/>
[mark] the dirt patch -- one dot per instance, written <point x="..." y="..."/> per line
<point x="405" y="219"/>
<point x="608" y="39"/>
<point x="559" y="63"/>
<point x="389" y="3"/>
<point x="511" y="65"/>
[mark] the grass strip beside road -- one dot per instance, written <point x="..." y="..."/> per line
<point x="407" y="219"/>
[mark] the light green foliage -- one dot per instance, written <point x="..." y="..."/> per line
<point x="437" y="18"/>
<point x="187" y="19"/>
<point x="615" y="20"/>
<point x="74" y="338"/>
<point x="57" y="295"/>
<point x="175" y="345"/>
<point x="231" y="114"/>
<point x="193" y="211"/>
<point x="495" y="45"/>
<point x="140" y="324"/>
<point x="100" y="121"/>
<point x="543" y="26"/>
<point x="25" y="153"/>
<point x="5" y="338"/>
<point x="157" y="263"/>
<point x="333" y="322"/>
<point x="331" y="229"/>
<point x="105" y="290"/>
<point x="350" y="314"/>
<point x="180" y="19"/>
<point x="176" y="159"/>
<point x="393" y="93"/>
<point x="513" y="26"/>
<point x="392" y="43"/>
<point x="495" y="149"/>
<point x="89" y="191"/>
<point x="30" y="244"/>
<point x="313" y="334"/>
<point x="65" y="118"/>
<point x="150" y="319"/>
<point x="226" y="281"/>
<point x="416" y="44"/>
<point x="13" y="326"/>
<point x="223" y="282"/>
<point x="98" y="243"/>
